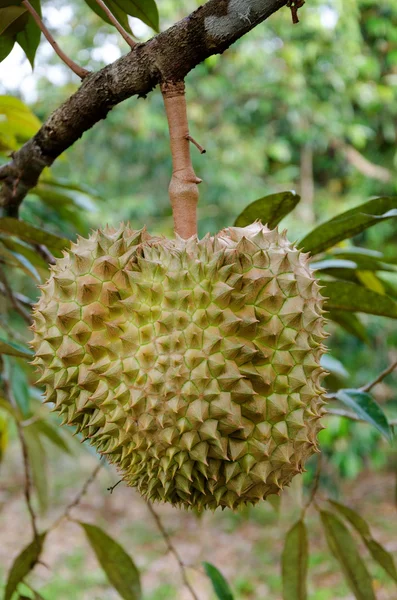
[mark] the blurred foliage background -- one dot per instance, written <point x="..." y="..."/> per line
<point x="312" y="108"/>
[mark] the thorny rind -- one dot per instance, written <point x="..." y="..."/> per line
<point x="192" y="365"/>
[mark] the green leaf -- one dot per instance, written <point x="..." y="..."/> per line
<point x="38" y="466"/>
<point x="370" y="281"/>
<point x="47" y="429"/>
<point x="68" y="185"/>
<point x="29" y="37"/>
<point x="54" y="196"/>
<point x="219" y="583"/>
<point x="22" y="263"/>
<point x="345" y="295"/>
<point x="145" y="10"/>
<point x="23" y="564"/>
<point x="19" y="384"/>
<point x="382" y="557"/>
<point x="333" y="263"/>
<point x="3" y="435"/>
<point x="357" y="251"/>
<point x="269" y="209"/>
<point x="350" y="323"/>
<point x="344" y="549"/>
<point x="117" y="564"/>
<point x="21" y="247"/>
<point x="5" y="405"/>
<point x="14" y="349"/>
<point x="36" y="595"/>
<point x="275" y="502"/>
<point x="378" y="553"/>
<point x="294" y="563"/>
<point x="12" y="20"/>
<point x="369" y="260"/>
<point x="6" y="45"/>
<point x="334" y="366"/>
<point x="349" y="224"/>
<point x="32" y="234"/>
<point x="366" y="408"/>
<point x="114" y="9"/>
<point x="20" y="120"/>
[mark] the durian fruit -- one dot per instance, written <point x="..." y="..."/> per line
<point x="192" y="365"/>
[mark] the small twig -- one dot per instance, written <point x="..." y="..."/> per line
<point x="25" y="455"/>
<point x="79" y="496"/>
<point x="339" y="412"/>
<point x="115" y="22"/>
<point x="28" y="481"/>
<point x="112" y="487"/>
<point x="294" y="5"/>
<point x="172" y="549"/>
<point x="13" y="299"/>
<point x="20" y="297"/>
<point x="31" y="421"/>
<point x="362" y="164"/>
<point x="315" y="485"/>
<point x="368" y="387"/>
<point x="79" y="71"/>
<point x="198" y="146"/>
<point x="44" y="253"/>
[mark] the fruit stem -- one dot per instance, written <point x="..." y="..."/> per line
<point x="183" y="188"/>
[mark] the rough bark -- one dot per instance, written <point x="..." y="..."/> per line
<point x="169" y="56"/>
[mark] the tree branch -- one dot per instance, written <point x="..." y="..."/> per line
<point x="171" y="548"/>
<point x="27" y="488"/>
<point x="169" y="56"/>
<point x="362" y="164"/>
<point x="79" y="496"/>
<point x="19" y="297"/>
<point x="13" y="298"/>
<point x="314" y="489"/>
<point x="368" y="387"/>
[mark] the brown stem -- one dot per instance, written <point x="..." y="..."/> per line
<point x="79" y="496"/>
<point x="25" y="455"/>
<point x="362" y="164"/>
<point x="315" y="486"/>
<point x="112" y="487"/>
<point x="294" y="5"/>
<point x="19" y="297"/>
<point x="13" y="299"/>
<point x="28" y="482"/>
<point x="115" y="22"/>
<point x="381" y="376"/>
<point x="80" y="72"/>
<point x="172" y="549"/>
<point x="44" y="253"/>
<point x="183" y="188"/>
<point x="198" y="146"/>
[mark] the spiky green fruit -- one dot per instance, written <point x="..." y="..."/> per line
<point x="194" y="366"/>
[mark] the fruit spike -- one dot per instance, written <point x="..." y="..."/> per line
<point x="192" y="365"/>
